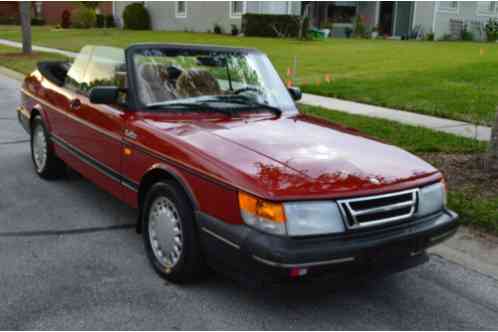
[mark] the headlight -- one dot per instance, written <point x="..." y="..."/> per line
<point x="313" y="218"/>
<point x="292" y="218"/>
<point x="432" y="199"/>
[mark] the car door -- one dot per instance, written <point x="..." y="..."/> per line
<point x="92" y="132"/>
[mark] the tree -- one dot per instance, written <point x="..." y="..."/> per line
<point x="303" y="19"/>
<point x="25" y="13"/>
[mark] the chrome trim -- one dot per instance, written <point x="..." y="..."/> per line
<point x="309" y="264"/>
<point x="386" y="208"/>
<point x="221" y="238"/>
<point x="23" y="111"/>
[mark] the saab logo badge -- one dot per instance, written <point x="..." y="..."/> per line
<point x="130" y="134"/>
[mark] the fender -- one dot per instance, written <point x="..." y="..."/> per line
<point x="174" y="174"/>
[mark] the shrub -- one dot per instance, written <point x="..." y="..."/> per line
<point x="109" y="21"/>
<point x="9" y="20"/>
<point x="66" y="19"/>
<point x="136" y="17"/>
<point x="217" y="29"/>
<point x="266" y="25"/>
<point x="37" y="21"/>
<point x="235" y="30"/>
<point x="84" y="18"/>
<point x="100" y="21"/>
<point x="466" y="34"/>
<point x="429" y="36"/>
<point x="491" y="30"/>
<point x="348" y="32"/>
<point x="359" y="27"/>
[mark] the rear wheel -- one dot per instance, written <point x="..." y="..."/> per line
<point x="46" y="163"/>
<point x="170" y="235"/>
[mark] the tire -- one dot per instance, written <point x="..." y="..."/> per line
<point x="170" y="235"/>
<point x="47" y="165"/>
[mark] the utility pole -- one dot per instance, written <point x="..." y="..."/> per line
<point x="25" y="13"/>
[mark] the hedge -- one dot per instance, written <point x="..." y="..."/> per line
<point x="136" y="17"/>
<point x="262" y="25"/>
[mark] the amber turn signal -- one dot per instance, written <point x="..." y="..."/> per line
<point x="261" y="208"/>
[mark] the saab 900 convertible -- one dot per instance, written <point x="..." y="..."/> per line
<point x="208" y="144"/>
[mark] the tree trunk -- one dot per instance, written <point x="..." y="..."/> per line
<point x="25" y="13"/>
<point x="494" y="140"/>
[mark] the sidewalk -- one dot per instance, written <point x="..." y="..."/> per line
<point x="11" y="43"/>
<point x="458" y="128"/>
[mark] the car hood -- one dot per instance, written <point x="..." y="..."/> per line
<point x="297" y="157"/>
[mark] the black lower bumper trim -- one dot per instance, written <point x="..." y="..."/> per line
<point x="243" y="248"/>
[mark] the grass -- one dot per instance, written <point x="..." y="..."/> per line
<point x="481" y="212"/>
<point x="473" y="208"/>
<point x="411" y="138"/>
<point x="12" y="58"/>
<point x="448" y="79"/>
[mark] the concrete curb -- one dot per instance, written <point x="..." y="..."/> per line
<point x="11" y="73"/>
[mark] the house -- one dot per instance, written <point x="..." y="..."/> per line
<point x="50" y="11"/>
<point x="391" y="18"/>
<point x="403" y="18"/>
<point x="201" y="16"/>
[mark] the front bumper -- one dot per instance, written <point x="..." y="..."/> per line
<point x="244" y="249"/>
<point x="24" y="117"/>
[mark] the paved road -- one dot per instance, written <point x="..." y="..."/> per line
<point x="64" y="266"/>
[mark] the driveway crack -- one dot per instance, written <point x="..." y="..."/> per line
<point x="15" y="142"/>
<point x="66" y="231"/>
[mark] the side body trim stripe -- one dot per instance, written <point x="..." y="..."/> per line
<point x="106" y="170"/>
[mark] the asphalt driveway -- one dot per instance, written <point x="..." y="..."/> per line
<point x="70" y="260"/>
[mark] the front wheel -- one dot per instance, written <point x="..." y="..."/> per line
<point x="46" y="163"/>
<point x="170" y="235"/>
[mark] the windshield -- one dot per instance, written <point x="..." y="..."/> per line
<point x="169" y="76"/>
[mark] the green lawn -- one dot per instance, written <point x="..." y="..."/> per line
<point x="469" y="201"/>
<point x="411" y="138"/>
<point x="448" y="79"/>
<point x="12" y="58"/>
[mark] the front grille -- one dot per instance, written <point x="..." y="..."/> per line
<point x="378" y="210"/>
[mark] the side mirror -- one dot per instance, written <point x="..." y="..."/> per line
<point x="295" y="93"/>
<point x="104" y="95"/>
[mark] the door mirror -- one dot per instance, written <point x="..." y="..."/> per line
<point x="104" y="95"/>
<point x="295" y="93"/>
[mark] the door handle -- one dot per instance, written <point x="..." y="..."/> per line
<point x="75" y="104"/>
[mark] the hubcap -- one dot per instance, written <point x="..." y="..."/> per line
<point x="165" y="232"/>
<point x="39" y="148"/>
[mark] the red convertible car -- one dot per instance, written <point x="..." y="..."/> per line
<point x="207" y="143"/>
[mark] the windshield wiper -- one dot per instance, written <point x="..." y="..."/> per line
<point x="246" y="102"/>
<point x="188" y="107"/>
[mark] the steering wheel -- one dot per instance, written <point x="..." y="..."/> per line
<point x="246" y="88"/>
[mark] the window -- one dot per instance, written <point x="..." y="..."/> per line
<point x="97" y="66"/>
<point x="486" y="8"/>
<point x="448" y="6"/>
<point x="106" y="68"/>
<point x="181" y="9"/>
<point x="76" y="74"/>
<point x="225" y="79"/>
<point x="237" y="8"/>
